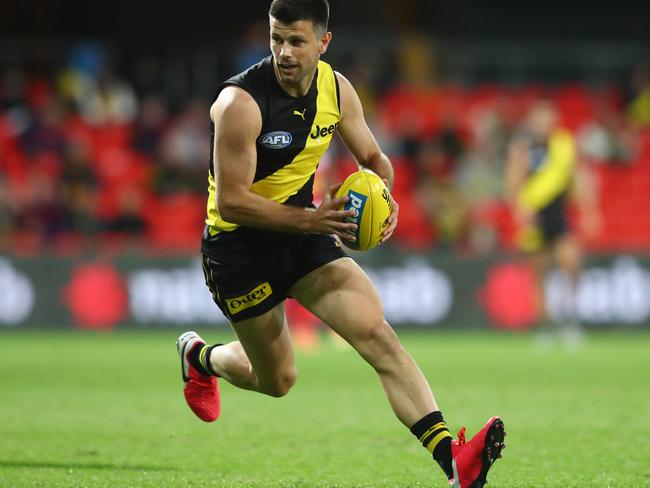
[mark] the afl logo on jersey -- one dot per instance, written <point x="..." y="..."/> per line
<point x="275" y="140"/>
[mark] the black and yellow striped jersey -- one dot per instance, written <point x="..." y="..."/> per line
<point x="551" y="167"/>
<point x="550" y="171"/>
<point x="296" y="132"/>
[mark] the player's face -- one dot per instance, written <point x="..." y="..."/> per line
<point x="296" y="49"/>
<point x="543" y="120"/>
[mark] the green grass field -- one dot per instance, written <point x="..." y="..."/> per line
<point x="106" y="410"/>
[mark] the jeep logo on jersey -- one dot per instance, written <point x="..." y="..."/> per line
<point x="275" y="140"/>
<point x="323" y="131"/>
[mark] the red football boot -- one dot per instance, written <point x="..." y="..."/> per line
<point x="472" y="460"/>
<point x="201" y="391"/>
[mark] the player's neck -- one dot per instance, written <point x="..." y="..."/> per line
<point x="297" y="89"/>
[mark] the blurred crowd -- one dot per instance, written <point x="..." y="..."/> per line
<point x="89" y="158"/>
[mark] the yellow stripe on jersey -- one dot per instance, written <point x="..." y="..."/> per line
<point x="214" y="220"/>
<point x="285" y="182"/>
<point x="289" y="179"/>
<point x="555" y="174"/>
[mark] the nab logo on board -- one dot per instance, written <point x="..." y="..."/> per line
<point x="275" y="140"/>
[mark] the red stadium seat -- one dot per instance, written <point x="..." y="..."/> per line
<point x="175" y="222"/>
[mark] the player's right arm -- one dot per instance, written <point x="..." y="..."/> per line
<point x="516" y="169"/>
<point x="515" y="177"/>
<point x="238" y="122"/>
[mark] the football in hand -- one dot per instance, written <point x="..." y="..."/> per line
<point x="369" y="196"/>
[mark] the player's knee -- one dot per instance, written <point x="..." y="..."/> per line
<point x="281" y="384"/>
<point x="570" y="261"/>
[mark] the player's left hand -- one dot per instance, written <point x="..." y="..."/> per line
<point x="392" y="220"/>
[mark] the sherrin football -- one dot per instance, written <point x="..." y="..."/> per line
<point x="367" y="194"/>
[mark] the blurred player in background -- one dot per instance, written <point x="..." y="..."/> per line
<point x="542" y="179"/>
<point x="265" y="240"/>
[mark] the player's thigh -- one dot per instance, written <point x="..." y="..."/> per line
<point x="341" y="294"/>
<point x="267" y="343"/>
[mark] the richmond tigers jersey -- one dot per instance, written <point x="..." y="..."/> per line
<point x="550" y="171"/>
<point x="296" y="132"/>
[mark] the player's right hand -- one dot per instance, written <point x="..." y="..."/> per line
<point x="330" y="218"/>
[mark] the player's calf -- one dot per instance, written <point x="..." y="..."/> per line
<point x="379" y="346"/>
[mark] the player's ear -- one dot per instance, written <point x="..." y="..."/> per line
<point x="325" y="40"/>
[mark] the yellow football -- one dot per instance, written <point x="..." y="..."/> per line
<point x="369" y="196"/>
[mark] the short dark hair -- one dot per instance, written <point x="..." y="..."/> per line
<point x="290" y="11"/>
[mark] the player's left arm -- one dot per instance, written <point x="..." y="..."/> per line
<point x="584" y="191"/>
<point x="356" y="135"/>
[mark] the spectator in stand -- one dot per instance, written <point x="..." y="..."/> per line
<point x="187" y="141"/>
<point x="436" y="162"/>
<point x="480" y="182"/>
<point x="184" y="148"/>
<point x="371" y="73"/>
<point x="416" y="61"/>
<point x="252" y="47"/>
<point x="44" y="135"/>
<point x="7" y="214"/>
<point x="15" y="117"/>
<point x="79" y="191"/>
<point x="111" y="101"/>
<point x="94" y="90"/>
<point x="607" y="138"/>
<point x="128" y="221"/>
<point x="638" y="107"/>
<point x="41" y="212"/>
<point x="150" y="126"/>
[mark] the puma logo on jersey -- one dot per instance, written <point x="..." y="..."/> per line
<point x="300" y="114"/>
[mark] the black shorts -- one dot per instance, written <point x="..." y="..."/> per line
<point x="552" y="220"/>
<point x="250" y="271"/>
